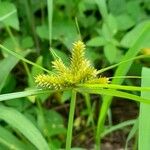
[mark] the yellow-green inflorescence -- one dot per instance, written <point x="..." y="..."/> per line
<point x="79" y="71"/>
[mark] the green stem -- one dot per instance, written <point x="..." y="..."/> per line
<point x="101" y="121"/>
<point x="31" y="21"/>
<point x="17" y="48"/>
<point x="90" y="111"/>
<point x="12" y="37"/>
<point x="70" y="122"/>
<point x="50" y="17"/>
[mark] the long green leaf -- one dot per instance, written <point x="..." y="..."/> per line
<point x="10" y="141"/>
<point x="9" y="96"/>
<point x="144" y="119"/>
<point x="122" y="62"/>
<point x="115" y="86"/>
<point x="116" y="93"/>
<point x="118" y="127"/>
<point x="24" y="126"/>
<point x="132" y="133"/>
<point x="50" y="17"/>
<point x="23" y="59"/>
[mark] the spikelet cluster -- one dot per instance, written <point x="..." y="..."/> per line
<point x="80" y="70"/>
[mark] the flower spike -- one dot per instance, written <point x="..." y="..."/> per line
<point x="80" y="70"/>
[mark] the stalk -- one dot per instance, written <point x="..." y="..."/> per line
<point x="70" y="122"/>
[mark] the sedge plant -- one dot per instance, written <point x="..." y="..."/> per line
<point x="80" y="77"/>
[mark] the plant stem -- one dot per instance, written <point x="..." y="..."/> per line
<point x="70" y="122"/>
<point x="17" y="48"/>
<point x="31" y="21"/>
<point x="12" y="37"/>
<point x="50" y="17"/>
<point x="101" y="121"/>
<point x="90" y="111"/>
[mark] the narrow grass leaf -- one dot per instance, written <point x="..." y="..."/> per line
<point x="144" y="119"/>
<point x="10" y="141"/>
<point x="23" y="59"/>
<point x="132" y="133"/>
<point x="118" y="127"/>
<point x="115" y="86"/>
<point x="6" y="65"/>
<point x="50" y="17"/>
<point x="4" y="97"/>
<point x="111" y="92"/>
<point x="24" y="126"/>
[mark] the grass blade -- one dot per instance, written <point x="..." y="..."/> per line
<point x="122" y="62"/>
<point x="132" y="133"/>
<point x="118" y="127"/>
<point x="4" y="97"/>
<point x="70" y="121"/>
<point x="24" y="126"/>
<point x="116" y="93"/>
<point x="50" y="17"/>
<point x="10" y="141"/>
<point x="6" y="65"/>
<point x="114" y="86"/>
<point x="144" y="119"/>
<point x="23" y="59"/>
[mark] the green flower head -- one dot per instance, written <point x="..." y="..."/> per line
<point x="79" y="71"/>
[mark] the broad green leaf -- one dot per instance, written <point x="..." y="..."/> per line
<point x="96" y="42"/>
<point x="131" y="37"/>
<point x="144" y="119"/>
<point x="55" y="123"/>
<point x="18" y="121"/>
<point x="124" y="21"/>
<point x="134" y="9"/>
<point x="7" y="64"/>
<point x="106" y="33"/>
<point x="8" y="15"/>
<point x="110" y="52"/>
<point x="27" y="42"/>
<point x="112" y="23"/>
<point x="10" y="141"/>
<point x="117" y="7"/>
<point x="42" y="32"/>
<point x="64" y="31"/>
